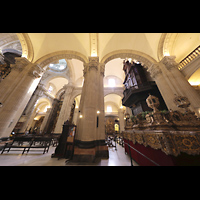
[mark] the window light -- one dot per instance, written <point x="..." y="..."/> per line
<point x="62" y="67"/>
<point x="45" y="109"/>
<point x="111" y="82"/>
<point x="50" y="89"/>
<point x="109" y="109"/>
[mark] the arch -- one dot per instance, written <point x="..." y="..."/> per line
<point x="114" y="68"/>
<point x="67" y="73"/>
<point x="77" y="98"/>
<point x="77" y="92"/>
<point x="165" y="44"/>
<point x="117" y="91"/>
<point x="112" y="104"/>
<point x="115" y="102"/>
<point x="56" y="76"/>
<point x="9" y="50"/>
<point x="52" y="57"/>
<point x="42" y="105"/>
<point x="112" y="92"/>
<point x="27" y="47"/>
<point x="60" y="93"/>
<point x="115" y="98"/>
<point x="43" y="101"/>
<point x="9" y="42"/>
<point x="172" y="43"/>
<point x="194" y="78"/>
<point x="118" y="81"/>
<point x="142" y="57"/>
<point x="57" y="82"/>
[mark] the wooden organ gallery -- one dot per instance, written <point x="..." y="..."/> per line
<point x="158" y="138"/>
<point x="137" y="88"/>
<point x="143" y="87"/>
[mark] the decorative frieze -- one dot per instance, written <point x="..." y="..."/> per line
<point x="50" y="58"/>
<point x="170" y="142"/>
<point x="123" y="54"/>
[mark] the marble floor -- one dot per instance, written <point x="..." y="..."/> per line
<point x="36" y="158"/>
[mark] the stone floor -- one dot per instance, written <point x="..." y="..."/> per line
<point x="36" y="158"/>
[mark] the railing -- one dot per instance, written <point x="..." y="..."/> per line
<point x="189" y="58"/>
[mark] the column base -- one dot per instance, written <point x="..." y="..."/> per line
<point x="84" y="155"/>
<point x="86" y="152"/>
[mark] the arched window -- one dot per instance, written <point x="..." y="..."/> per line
<point x="50" y="89"/>
<point x="111" y="82"/>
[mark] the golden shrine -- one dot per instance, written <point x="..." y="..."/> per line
<point x="172" y="132"/>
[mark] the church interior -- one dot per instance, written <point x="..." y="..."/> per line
<point x="127" y="99"/>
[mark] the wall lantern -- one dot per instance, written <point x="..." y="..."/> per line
<point x="98" y="112"/>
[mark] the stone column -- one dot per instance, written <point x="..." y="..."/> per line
<point x="181" y="85"/>
<point x="45" y="119"/>
<point x="163" y="86"/>
<point x="31" y="119"/>
<point x="75" y="118"/>
<point x="101" y="148"/>
<point x="66" y="108"/>
<point x="121" y="119"/>
<point x="52" y="115"/>
<point x="31" y="106"/>
<point x="129" y="111"/>
<point x="88" y="103"/>
<point x="16" y="90"/>
<point x="89" y="136"/>
<point x="13" y="78"/>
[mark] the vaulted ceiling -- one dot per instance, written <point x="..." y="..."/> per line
<point x="46" y="43"/>
<point x="37" y="46"/>
<point x="155" y="45"/>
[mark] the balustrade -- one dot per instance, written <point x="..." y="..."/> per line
<point x="194" y="54"/>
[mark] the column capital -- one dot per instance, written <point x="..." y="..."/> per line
<point x="169" y="62"/>
<point x="92" y="64"/>
<point x="68" y="87"/>
<point x="155" y="70"/>
<point x="40" y="90"/>
<point x="41" y="86"/>
<point x="93" y="60"/>
<point x="35" y="71"/>
<point x="20" y="63"/>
